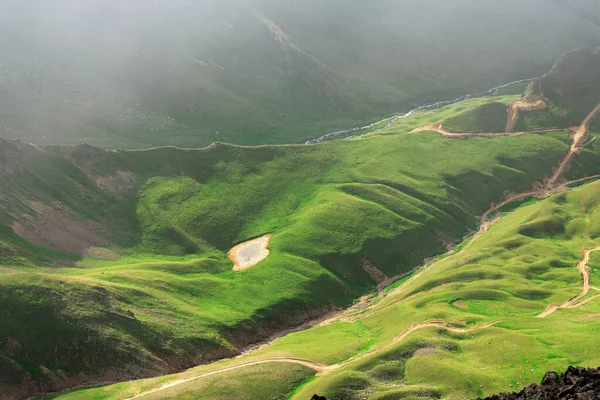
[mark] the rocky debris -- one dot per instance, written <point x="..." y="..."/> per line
<point x="576" y="383"/>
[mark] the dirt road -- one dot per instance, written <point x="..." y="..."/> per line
<point x="585" y="277"/>
<point x="321" y="369"/>
<point x="495" y="91"/>
<point x="315" y="366"/>
<point x="580" y="134"/>
<point x="515" y="107"/>
<point x="578" y="138"/>
<point x="445" y="132"/>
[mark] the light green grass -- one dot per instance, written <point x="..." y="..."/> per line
<point x="174" y="293"/>
<point x="266" y="381"/>
<point x="511" y="274"/>
<point x="464" y="113"/>
<point x="518" y="351"/>
<point x="171" y="301"/>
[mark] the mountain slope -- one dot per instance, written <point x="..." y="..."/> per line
<point x="509" y="305"/>
<point x="585" y="9"/>
<point x="122" y="254"/>
<point x="170" y="299"/>
<point x="132" y="74"/>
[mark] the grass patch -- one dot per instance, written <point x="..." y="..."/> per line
<point x="485" y="118"/>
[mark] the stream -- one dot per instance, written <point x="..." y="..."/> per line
<point x="495" y="91"/>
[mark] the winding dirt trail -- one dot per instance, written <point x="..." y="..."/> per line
<point x="549" y="187"/>
<point x="445" y="132"/>
<point x="515" y="107"/>
<point x="312" y="365"/>
<point x="404" y="335"/>
<point x="577" y="300"/>
<point x="578" y="137"/>
<point x="320" y="368"/>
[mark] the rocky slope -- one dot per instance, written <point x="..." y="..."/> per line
<point x="575" y="383"/>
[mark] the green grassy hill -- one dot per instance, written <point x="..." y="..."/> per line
<point x="165" y="296"/>
<point x="136" y="74"/>
<point x="511" y="274"/>
<point x="113" y="263"/>
<point x="486" y="301"/>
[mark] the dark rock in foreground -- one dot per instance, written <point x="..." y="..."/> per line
<point x="575" y="383"/>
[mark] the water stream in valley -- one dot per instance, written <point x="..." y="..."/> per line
<point x="495" y="91"/>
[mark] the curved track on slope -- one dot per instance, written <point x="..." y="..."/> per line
<point x="315" y="366"/>
<point x="515" y="107"/>
<point x="320" y="368"/>
<point x="576" y="301"/>
<point x="445" y="132"/>
<point x="578" y="138"/>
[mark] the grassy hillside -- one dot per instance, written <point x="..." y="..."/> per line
<point x="507" y="278"/>
<point x="464" y="115"/>
<point x="570" y="89"/>
<point x="526" y="262"/>
<point x="489" y="117"/>
<point x="164" y="297"/>
<point x="135" y="74"/>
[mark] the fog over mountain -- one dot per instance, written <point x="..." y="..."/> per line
<point x="139" y="73"/>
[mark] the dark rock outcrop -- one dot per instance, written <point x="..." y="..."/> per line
<point x="576" y="383"/>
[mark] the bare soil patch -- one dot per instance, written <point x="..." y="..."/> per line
<point x="460" y="304"/>
<point x="54" y="227"/>
<point x="375" y="273"/>
<point x="118" y="183"/>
